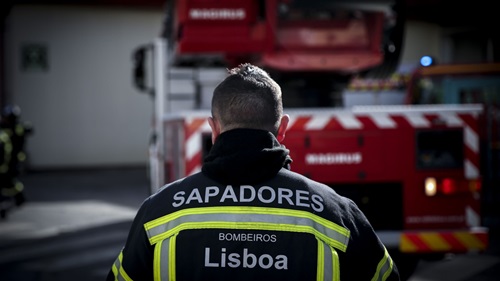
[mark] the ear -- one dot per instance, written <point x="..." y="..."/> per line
<point x="215" y="126"/>
<point x="282" y="128"/>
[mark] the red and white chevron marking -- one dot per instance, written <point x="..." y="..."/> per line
<point x="194" y="128"/>
<point x="356" y="120"/>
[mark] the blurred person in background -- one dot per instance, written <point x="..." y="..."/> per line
<point x="13" y="133"/>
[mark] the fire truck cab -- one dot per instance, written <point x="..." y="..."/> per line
<point x="477" y="83"/>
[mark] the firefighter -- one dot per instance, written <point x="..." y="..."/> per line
<point x="5" y="156"/>
<point x="14" y="132"/>
<point x="245" y="215"/>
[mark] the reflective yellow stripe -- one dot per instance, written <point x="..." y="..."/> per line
<point x="165" y="261"/>
<point x="7" y="148"/>
<point x="469" y="240"/>
<point x="157" y="261"/>
<point x="171" y="258"/>
<point x="4" y="137"/>
<point x="328" y="263"/>
<point x="12" y="191"/>
<point x="118" y="270"/>
<point x="435" y="241"/>
<point x="163" y="232"/>
<point x="115" y="271"/>
<point x="320" y="271"/>
<point x="252" y="218"/>
<point x="336" y="265"/>
<point x="21" y="156"/>
<point x="123" y="274"/>
<point x="443" y="241"/>
<point x="389" y="270"/>
<point x="19" y="130"/>
<point x="384" y="267"/>
<point x="406" y="245"/>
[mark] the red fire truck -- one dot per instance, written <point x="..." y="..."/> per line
<point x="413" y="169"/>
<point x="477" y="83"/>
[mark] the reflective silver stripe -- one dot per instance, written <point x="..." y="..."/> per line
<point x="165" y="251"/>
<point x="329" y="260"/>
<point x="335" y="265"/>
<point x="118" y="271"/>
<point x="328" y="263"/>
<point x="248" y="218"/>
<point x="384" y="267"/>
<point x="164" y="261"/>
<point x="161" y="262"/>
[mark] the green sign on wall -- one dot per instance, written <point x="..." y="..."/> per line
<point x="34" y="57"/>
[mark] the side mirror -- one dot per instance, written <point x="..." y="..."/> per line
<point x="140" y="75"/>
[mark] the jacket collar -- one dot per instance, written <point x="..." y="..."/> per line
<point x="245" y="156"/>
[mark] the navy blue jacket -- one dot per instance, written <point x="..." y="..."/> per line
<point x="245" y="216"/>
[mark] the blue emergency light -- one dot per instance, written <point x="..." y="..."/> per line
<point x="426" y="61"/>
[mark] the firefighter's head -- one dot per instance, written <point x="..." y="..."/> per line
<point x="248" y="98"/>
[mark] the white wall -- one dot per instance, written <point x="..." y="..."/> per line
<point x="420" y="39"/>
<point x="84" y="108"/>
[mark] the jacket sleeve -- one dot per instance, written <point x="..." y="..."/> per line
<point x="135" y="260"/>
<point x="366" y="257"/>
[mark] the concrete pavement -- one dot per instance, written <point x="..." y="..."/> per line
<point x="38" y="220"/>
<point x="60" y="202"/>
<point x="72" y="226"/>
<point x="75" y="222"/>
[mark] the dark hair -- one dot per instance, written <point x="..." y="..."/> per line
<point x="248" y="98"/>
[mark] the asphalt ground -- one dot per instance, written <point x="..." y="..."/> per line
<point x="72" y="225"/>
<point x="65" y="201"/>
<point x="75" y="222"/>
